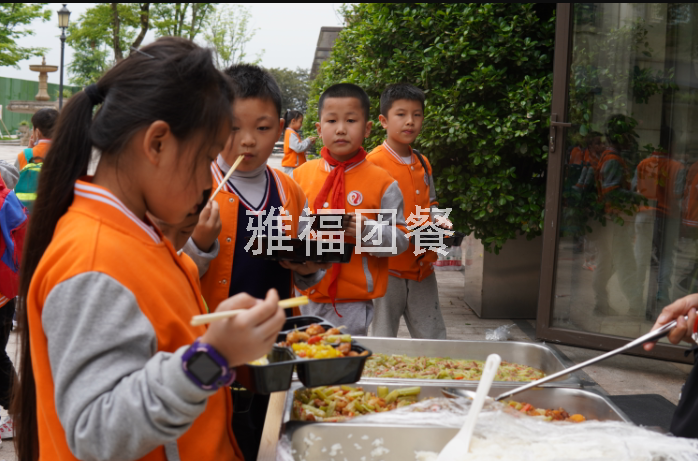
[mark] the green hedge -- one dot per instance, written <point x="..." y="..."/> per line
<point x="487" y="73"/>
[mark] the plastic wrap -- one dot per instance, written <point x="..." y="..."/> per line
<point x="501" y="435"/>
<point x="502" y="333"/>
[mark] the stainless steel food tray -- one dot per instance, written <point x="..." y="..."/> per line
<point x="403" y="440"/>
<point x="531" y="354"/>
<point x="587" y="403"/>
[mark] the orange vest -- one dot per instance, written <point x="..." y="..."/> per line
<point x="656" y="179"/>
<point x="292" y="158"/>
<point x="357" y="277"/>
<point x="215" y="283"/>
<point x="99" y="237"/>
<point x="607" y="156"/>
<point x="37" y="151"/>
<point x="412" y="180"/>
<point x="577" y="155"/>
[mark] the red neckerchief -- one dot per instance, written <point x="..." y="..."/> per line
<point x="335" y="180"/>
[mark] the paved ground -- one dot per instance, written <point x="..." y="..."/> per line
<point x="619" y="375"/>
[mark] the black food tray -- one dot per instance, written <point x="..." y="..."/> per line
<point x="265" y="379"/>
<point x="302" y="322"/>
<point x="330" y="225"/>
<point x="299" y="253"/>
<point x="330" y="372"/>
<point x="454" y="240"/>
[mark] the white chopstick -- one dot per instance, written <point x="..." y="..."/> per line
<point x="208" y="318"/>
<point x="227" y="176"/>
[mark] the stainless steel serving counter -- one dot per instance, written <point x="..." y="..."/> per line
<point x="531" y="354"/>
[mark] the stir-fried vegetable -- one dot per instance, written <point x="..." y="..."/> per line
<point x="316" y="343"/>
<point x="547" y="415"/>
<point x="339" y="403"/>
<point x="400" y="366"/>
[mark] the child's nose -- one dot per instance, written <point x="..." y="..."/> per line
<point x="248" y="140"/>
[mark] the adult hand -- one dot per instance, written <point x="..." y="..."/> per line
<point x="209" y="227"/>
<point x="676" y="311"/>
<point x="250" y="334"/>
<point x="306" y="268"/>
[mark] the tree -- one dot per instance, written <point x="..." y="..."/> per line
<point x="182" y="19"/>
<point x="229" y="34"/>
<point x="12" y="17"/>
<point x="487" y="73"/>
<point x="295" y="86"/>
<point x="101" y="36"/>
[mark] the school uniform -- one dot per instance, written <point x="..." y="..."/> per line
<point x="108" y="327"/>
<point x="231" y="268"/>
<point x="412" y="289"/>
<point x="346" y="293"/>
<point x="294" y="150"/>
<point x="39" y="150"/>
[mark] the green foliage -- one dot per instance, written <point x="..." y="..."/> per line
<point x="12" y="17"/>
<point x="229" y="33"/>
<point x="181" y="19"/>
<point x="487" y="73"/>
<point x="295" y="86"/>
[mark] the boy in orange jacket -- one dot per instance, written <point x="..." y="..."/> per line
<point x="343" y="180"/>
<point x="412" y="290"/>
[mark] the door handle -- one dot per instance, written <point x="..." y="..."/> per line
<point x="554" y="124"/>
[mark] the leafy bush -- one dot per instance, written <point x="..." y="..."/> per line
<point x="487" y="73"/>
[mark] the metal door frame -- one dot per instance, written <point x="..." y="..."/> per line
<point x="555" y="173"/>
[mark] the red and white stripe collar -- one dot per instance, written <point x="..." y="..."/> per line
<point x="102" y="195"/>
<point x="397" y="156"/>
<point x="329" y="167"/>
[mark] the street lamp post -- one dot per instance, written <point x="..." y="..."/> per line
<point x="63" y="20"/>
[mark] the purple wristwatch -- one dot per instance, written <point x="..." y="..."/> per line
<point x="206" y="367"/>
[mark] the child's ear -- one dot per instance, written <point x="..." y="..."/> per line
<point x="157" y="140"/>
<point x="282" y="123"/>
<point x="318" y="128"/>
<point x="367" y="132"/>
<point x="384" y="121"/>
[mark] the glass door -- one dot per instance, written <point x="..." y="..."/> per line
<point x="621" y="234"/>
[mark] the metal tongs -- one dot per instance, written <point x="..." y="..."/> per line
<point x="651" y="336"/>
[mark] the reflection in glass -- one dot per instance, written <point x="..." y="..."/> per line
<point x="629" y="229"/>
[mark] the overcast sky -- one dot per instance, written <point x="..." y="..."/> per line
<point x="287" y="32"/>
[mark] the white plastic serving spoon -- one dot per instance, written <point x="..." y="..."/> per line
<point x="457" y="448"/>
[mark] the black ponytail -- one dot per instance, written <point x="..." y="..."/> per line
<point x="172" y="80"/>
<point x="290" y="116"/>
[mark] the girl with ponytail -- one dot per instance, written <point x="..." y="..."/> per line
<point x="110" y="366"/>
<point x="294" y="148"/>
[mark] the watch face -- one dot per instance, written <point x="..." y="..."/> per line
<point x="204" y="368"/>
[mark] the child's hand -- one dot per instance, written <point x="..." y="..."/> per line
<point x="312" y="139"/>
<point x="209" y="227"/>
<point x="444" y="222"/>
<point x="306" y="268"/>
<point x="250" y="334"/>
<point x="351" y="228"/>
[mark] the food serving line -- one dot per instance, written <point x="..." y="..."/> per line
<point x="563" y="392"/>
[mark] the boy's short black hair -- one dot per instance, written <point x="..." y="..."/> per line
<point x="250" y="81"/>
<point x="346" y="90"/>
<point x="45" y="120"/>
<point x="398" y="91"/>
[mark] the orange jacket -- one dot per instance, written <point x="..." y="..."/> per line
<point x="656" y="180"/>
<point x="215" y="283"/>
<point x="292" y="158"/>
<point x="365" y="276"/>
<point x="412" y="180"/>
<point x="39" y="150"/>
<point x="101" y="238"/>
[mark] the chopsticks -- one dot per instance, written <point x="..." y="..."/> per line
<point x="227" y="176"/>
<point x="208" y="318"/>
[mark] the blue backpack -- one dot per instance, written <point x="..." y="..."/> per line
<point x="28" y="182"/>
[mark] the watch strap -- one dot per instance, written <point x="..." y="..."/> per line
<point x="227" y="373"/>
